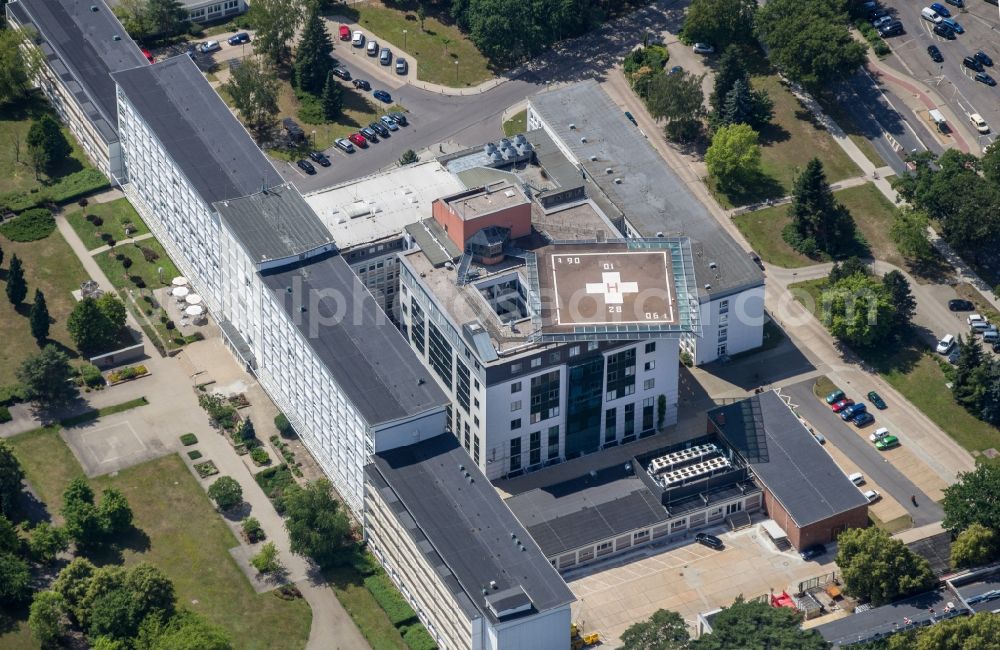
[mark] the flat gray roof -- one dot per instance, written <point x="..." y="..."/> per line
<point x="273" y="224"/>
<point x="786" y="458"/>
<point x="471" y="533"/>
<point x="881" y="622"/>
<point x="79" y="44"/>
<point x="650" y="195"/>
<point x="208" y="143"/>
<point x="354" y="339"/>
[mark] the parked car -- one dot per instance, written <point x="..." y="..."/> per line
<point x="960" y="305"/>
<point x="239" y="38"/>
<point x="209" y="46"/>
<point x="872" y="495"/>
<point x="992" y="335"/>
<point x="306" y="166"/>
<point x="972" y="63"/>
<point x="876" y="400"/>
<point x="755" y="258"/>
<point x="345" y="33"/>
<point x="149" y="55"/>
<point x="984" y="58"/>
<point x="344" y="145"/>
<point x="359" y="140"/>
<point x="863" y="419"/>
<point x="710" y="541"/>
<point x="382" y="96"/>
<point x="400" y="118"/>
<point x="852" y="410"/>
<point x="369" y="134"/>
<point x="343" y="73"/>
<point x="631" y="118"/>
<point x="362" y="84"/>
<point x="882" y="20"/>
<point x="320" y="157"/>
<point x="958" y="3"/>
<point x="940" y="9"/>
<point x="982" y="77"/>
<point x="878" y="434"/>
<point x="358" y="39"/>
<point x="857" y="478"/>
<point x="812" y="552"/>
<point x="703" y="48"/>
<point x="837" y="407"/>
<point x="385" y="56"/>
<point x="894" y="28"/>
<point x="944" y="32"/>
<point x="379" y="128"/>
<point x="976" y="321"/>
<point x="996" y="347"/>
<point x="402" y="67"/>
<point x="978" y="123"/>
<point x="389" y="123"/>
<point x="954" y="24"/>
<point x="887" y="442"/>
<point x="835" y="396"/>
<point x="930" y="15"/>
<point x="945" y="345"/>
<point x="372" y="48"/>
<point x="934" y="53"/>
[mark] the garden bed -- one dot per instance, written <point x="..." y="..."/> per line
<point x="128" y="373"/>
<point x="206" y="469"/>
<point x="275" y="481"/>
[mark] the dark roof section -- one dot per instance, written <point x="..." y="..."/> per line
<point x="211" y="147"/>
<point x="786" y="458"/>
<point x="362" y="349"/>
<point x="79" y="44"/>
<point x="979" y="589"/>
<point x="884" y="621"/>
<point x="434" y="241"/>
<point x="275" y="223"/>
<point x="471" y="532"/>
<point x="651" y="196"/>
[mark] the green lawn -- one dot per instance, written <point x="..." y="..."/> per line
<point x="518" y="123"/>
<point x="119" y="275"/>
<point x="116" y="215"/>
<point x="762" y="228"/>
<point x="348" y="584"/>
<point x="182" y="535"/>
<point x="874" y="215"/>
<point x="358" y="113"/>
<point x="49" y="265"/>
<point x="437" y="47"/>
<point x="823" y="387"/>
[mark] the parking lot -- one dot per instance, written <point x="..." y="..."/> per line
<point x="687" y="578"/>
<point x="950" y="78"/>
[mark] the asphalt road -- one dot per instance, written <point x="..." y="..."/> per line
<point x="868" y="459"/>
<point x="953" y="81"/>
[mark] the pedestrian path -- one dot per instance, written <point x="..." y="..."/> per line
<point x="131" y="240"/>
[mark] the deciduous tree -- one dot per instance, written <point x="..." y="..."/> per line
<point x="664" y="630"/>
<point x="971" y="499"/>
<point x="115" y="512"/>
<point x="46" y="375"/>
<point x="94" y="324"/>
<point x="274" y="22"/>
<point x="909" y="233"/>
<point x="254" y="89"/>
<point x="719" y="22"/>
<point x="17" y="64"/>
<point x="166" y="17"/>
<point x="226" y="493"/>
<point x="733" y="158"/>
<point x="15" y="579"/>
<point x="991" y="163"/>
<point x="858" y="311"/>
<point x="17" y="287"/>
<point x="47" y="145"/>
<point x="11" y="476"/>
<point x="317" y="526"/>
<point x="39" y="318"/>
<point x="313" y="55"/>
<point x="880" y="568"/>
<point x="977" y="632"/>
<point x="975" y="546"/>
<point x="758" y="625"/>
<point x="47" y="619"/>
<point x="83" y="521"/>
<point x="46" y="542"/>
<point x="185" y="631"/>
<point x="677" y="99"/>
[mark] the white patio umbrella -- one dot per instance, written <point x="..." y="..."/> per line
<point x="194" y="310"/>
<point x="192" y="299"/>
<point x="179" y="281"/>
<point x="180" y="292"/>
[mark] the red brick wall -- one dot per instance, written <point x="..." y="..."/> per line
<point x="821" y="532"/>
<point x="517" y="218"/>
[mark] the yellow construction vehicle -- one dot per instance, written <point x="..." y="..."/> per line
<point x="578" y="641"/>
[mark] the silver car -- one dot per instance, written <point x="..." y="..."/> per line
<point x="345" y="145"/>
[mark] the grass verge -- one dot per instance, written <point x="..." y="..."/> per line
<point x="107" y="410"/>
<point x="874" y="215"/>
<point x="115" y="215"/>
<point x="518" y="123"/>
<point x="348" y="585"/>
<point x="823" y="387"/>
<point x="762" y="228"/>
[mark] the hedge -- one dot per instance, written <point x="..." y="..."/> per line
<point x="389" y="599"/>
<point x="189" y="439"/>
<point x="30" y="225"/>
<point x="91" y="375"/>
<point x="5" y="415"/>
<point x="416" y="637"/>
<point x="13" y="393"/>
<point x="68" y="188"/>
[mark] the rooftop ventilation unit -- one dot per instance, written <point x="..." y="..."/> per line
<point x="618" y="181"/>
<point x="572" y="127"/>
<point x="713" y="265"/>
<point x="583" y="140"/>
<point x="93" y="8"/>
<point x="116" y="37"/>
<point x="708" y="287"/>
<point x="608" y="170"/>
<point x="593" y="158"/>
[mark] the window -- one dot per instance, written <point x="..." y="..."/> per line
<point x="515" y="387"/>
<point x="515" y="424"/>
<point x="591" y="346"/>
<point x="535" y="448"/>
<point x="553" y="442"/>
<point x="610" y="428"/>
<point x="545" y="396"/>
<point x="647" y="414"/>
<point x="612" y="395"/>
<point x="723" y="334"/>
<point x="468" y="441"/>
<point x="515" y="405"/>
<point x="439" y="354"/>
<point x="678" y="525"/>
<point x="723" y="306"/>
<point x="575" y="350"/>
<point x="649" y="365"/>
<point x="475" y="401"/>
<point x="651" y="347"/>
<point x="462" y="384"/>
<point x="515" y="368"/>
<point x="475" y="448"/>
<point x="475" y="383"/>
<point x="640" y="536"/>
<point x="648" y="384"/>
<point x="629" y="420"/>
<point x="554" y="357"/>
<point x="536" y="362"/>
<point x="721" y="350"/>
<point x="515" y="454"/>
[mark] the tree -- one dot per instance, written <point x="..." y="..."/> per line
<point x="809" y="40"/>
<point x="83" y="521"/>
<point x="905" y="304"/>
<point x="94" y="324"/>
<point x="970" y="500"/>
<point x="39" y="317"/>
<point x="46" y="376"/>
<point x="274" y="22"/>
<point x="267" y="560"/>
<point x="819" y="222"/>
<point x="112" y="614"/>
<point x="151" y="591"/>
<point x="72" y="584"/>
<point x="185" y="631"/>
<point x="118" y="600"/>
<point x="758" y="625"/>
<point x="17" y="288"/>
<point x="744" y="105"/>
<point x="46" y="542"/>
<point x="909" y="233"/>
<point x="313" y="59"/>
<point x="991" y="163"/>
<point x="47" y="619"/>
<point x="969" y="379"/>
<point x="317" y="526"/>
<point x="879" y="568"/>
<point x="17" y="64"/>
<point x="226" y="493"/>
<point x="115" y="512"/>
<point x="977" y="632"/>
<point x="851" y="266"/>
<point x="731" y="68"/>
<point x="332" y="98"/>
<point x="664" y="630"/>
<point x="15" y="579"/>
<point x="1" y="248"/>
<point x="47" y="145"/>
<point x="975" y="546"/>
<point x="135" y="18"/>
<point x="247" y="431"/>
<point x="11" y="476"/>
<point x="677" y="99"/>
<point x="421" y="15"/>
<point x="254" y="89"/>
<point x="166" y="17"/>
<point x="858" y="311"/>
<point x="10" y="542"/>
<point x="734" y="157"/>
<point x="409" y="157"/>
<point x="719" y="22"/>
<point x="113" y="310"/>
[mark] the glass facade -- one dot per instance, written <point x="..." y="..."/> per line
<point x="462" y="385"/>
<point x="544" y="396"/>
<point x="583" y="416"/>
<point x="439" y="354"/>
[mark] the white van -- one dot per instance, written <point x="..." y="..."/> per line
<point x="930" y="15"/>
<point x="945" y="345"/>
<point x="857" y="478"/>
<point x="358" y="39"/>
<point x="880" y="433"/>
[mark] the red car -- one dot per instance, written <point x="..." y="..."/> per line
<point x="149" y="55"/>
<point x="358" y="140"/>
<point x="345" y="33"/>
<point x="841" y="405"/>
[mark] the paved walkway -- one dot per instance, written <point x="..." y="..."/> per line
<point x="839" y="185"/>
<point x="131" y="240"/>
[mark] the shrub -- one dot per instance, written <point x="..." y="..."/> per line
<point x="267" y="560"/>
<point x="259" y="456"/>
<point x="417" y="638"/>
<point x="226" y="492"/>
<point x="310" y="108"/>
<point x="13" y="393"/>
<point x="137" y="281"/>
<point x="5" y="415"/>
<point x="197" y="336"/>
<point x="149" y="254"/>
<point x="90" y="217"/>
<point x="389" y="599"/>
<point x="31" y="225"/>
<point x="206" y="469"/>
<point x="283" y="426"/>
<point x="91" y="375"/>
<point x="253" y="531"/>
<point x="163" y="318"/>
<point x="189" y="439"/>
<point x="97" y="221"/>
<point x="119" y="257"/>
<point x="194" y="454"/>
<point x="126" y="262"/>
